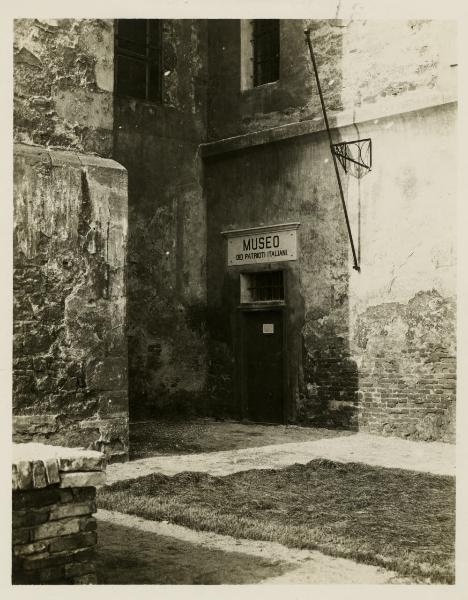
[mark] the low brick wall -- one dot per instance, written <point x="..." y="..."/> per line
<point x="54" y="532"/>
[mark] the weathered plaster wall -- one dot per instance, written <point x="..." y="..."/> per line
<point x="365" y="67"/>
<point x="376" y="349"/>
<point x="276" y="183"/>
<point x="70" y="350"/>
<point x="63" y="73"/>
<point x="402" y="304"/>
<point x="158" y="144"/>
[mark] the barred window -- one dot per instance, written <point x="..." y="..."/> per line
<point x="264" y="286"/>
<point x="266" y="50"/>
<point x="138" y="62"/>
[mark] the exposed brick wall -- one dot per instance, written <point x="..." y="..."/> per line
<point x="329" y="395"/>
<point x="397" y="376"/>
<point x="69" y="345"/>
<point x="377" y="348"/>
<point x="407" y="374"/>
<point x="54" y="533"/>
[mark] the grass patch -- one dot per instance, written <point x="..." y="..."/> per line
<point x="401" y="520"/>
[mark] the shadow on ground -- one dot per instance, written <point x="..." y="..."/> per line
<point x="129" y="556"/>
<point x="157" y="438"/>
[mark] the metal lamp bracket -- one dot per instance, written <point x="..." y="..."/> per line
<point x="357" y="154"/>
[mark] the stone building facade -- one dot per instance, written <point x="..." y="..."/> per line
<point x="70" y="384"/>
<point x="374" y="349"/>
<point x="124" y="299"/>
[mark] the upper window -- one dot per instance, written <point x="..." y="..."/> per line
<point x="138" y="59"/>
<point x="265" y="43"/>
<point x="260" y="52"/>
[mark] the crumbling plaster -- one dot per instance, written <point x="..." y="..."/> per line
<point x="63" y="72"/>
<point x="70" y="350"/>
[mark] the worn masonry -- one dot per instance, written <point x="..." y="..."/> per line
<point x="54" y="498"/>
<point x="126" y="306"/>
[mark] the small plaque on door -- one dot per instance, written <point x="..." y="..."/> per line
<point x="268" y="328"/>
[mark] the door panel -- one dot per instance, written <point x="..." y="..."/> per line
<point x="263" y="365"/>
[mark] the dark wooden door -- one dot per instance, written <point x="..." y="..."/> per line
<point x="263" y="365"/>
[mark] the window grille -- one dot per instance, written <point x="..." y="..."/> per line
<point x="138" y="58"/>
<point x="266" y="49"/>
<point x="262" y="287"/>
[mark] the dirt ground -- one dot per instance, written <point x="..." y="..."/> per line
<point x="164" y="553"/>
<point x="148" y="558"/>
<point x="160" y="438"/>
<point x="249" y="450"/>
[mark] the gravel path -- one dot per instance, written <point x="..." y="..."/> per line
<point x="431" y="457"/>
<point x="303" y="566"/>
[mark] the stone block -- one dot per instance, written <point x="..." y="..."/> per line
<point x="39" y="475"/>
<point x="21" y="536"/>
<point x="36" y="499"/>
<point x="29" y="518"/>
<point x="52" y="471"/>
<point x="89" y="461"/>
<point x="35" y="423"/>
<point x="72" y="542"/>
<point x="23" y="475"/>
<point x="25" y="549"/>
<point x="55" y="528"/>
<point x="83" y="479"/>
<point x="72" y="510"/>
<point x="89" y="524"/>
<point x="46" y="560"/>
<point x="33" y="561"/>
<point x="107" y="374"/>
<point x="33" y="451"/>
<point x="66" y="495"/>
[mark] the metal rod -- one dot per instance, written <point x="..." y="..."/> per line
<point x="337" y="172"/>
<point x="355" y="141"/>
<point x="350" y="159"/>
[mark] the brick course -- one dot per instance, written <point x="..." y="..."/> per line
<point x="408" y="372"/>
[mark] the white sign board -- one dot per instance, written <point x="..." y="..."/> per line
<point x="262" y="247"/>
